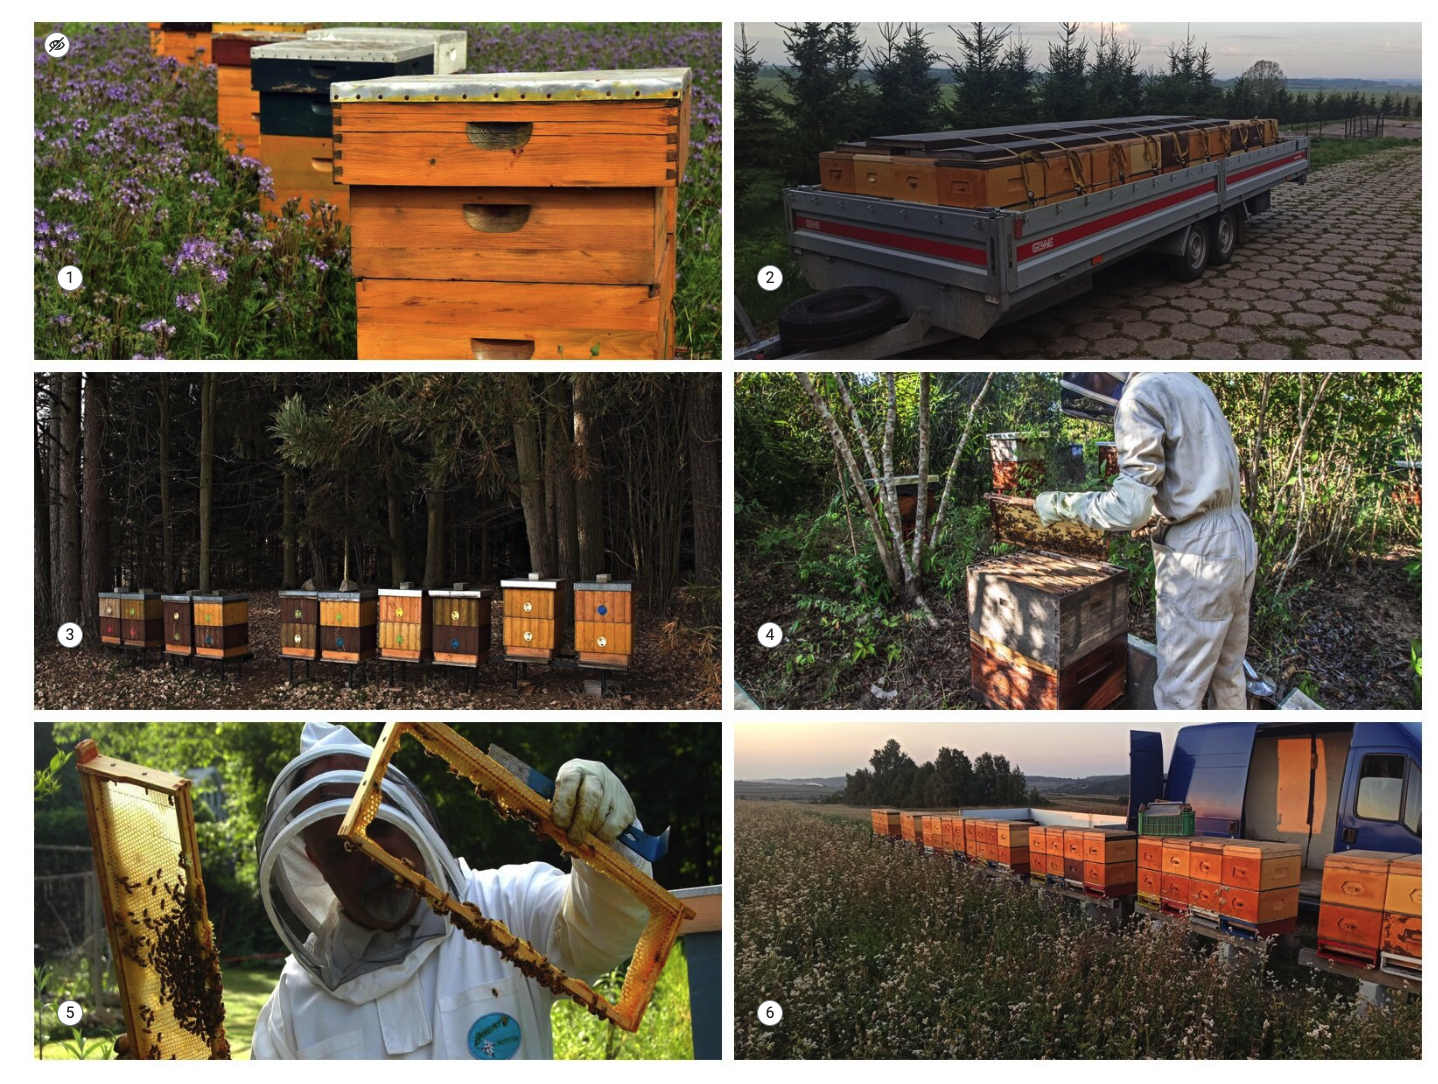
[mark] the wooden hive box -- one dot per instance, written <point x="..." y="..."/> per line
<point x="451" y="47"/>
<point x="971" y="836"/>
<point x="604" y="623"/>
<point x="1175" y="855"/>
<point x="462" y="631"/>
<point x="959" y="839"/>
<point x="1173" y="878"/>
<point x="222" y="624"/>
<point x="1403" y="909"/>
<point x="266" y="28"/>
<point x="1204" y="896"/>
<point x="292" y="79"/>
<point x="300" y="624"/>
<point x="1350" y="911"/>
<point x="404" y="623"/>
<point x="1012" y="833"/>
<point x="110" y="627"/>
<point x="934" y="832"/>
<point x="1150" y="852"/>
<point x="1038" y="842"/>
<point x="1205" y="860"/>
<point x="989" y="832"/>
<point x="1110" y="845"/>
<point x="189" y="43"/>
<point x="239" y="104"/>
<point x="1048" y="625"/>
<point x="911" y="827"/>
<point x="1054" y="840"/>
<point x="1150" y="883"/>
<point x="946" y="834"/>
<point x="1257" y="865"/>
<point x="514" y="216"/>
<point x="1271" y="911"/>
<point x="179" y="618"/>
<point x="836" y="171"/>
<point x="531" y="618"/>
<point x="886" y="823"/>
<point x="142" y="622"/>
<point x="349" y="625"/>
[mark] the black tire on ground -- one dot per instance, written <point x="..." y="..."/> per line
<point x="1223" y="238"/>
<point x="1189" y="265"/>
<point x="836" y="317"/>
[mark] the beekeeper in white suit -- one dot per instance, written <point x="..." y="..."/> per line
<point x="373" y="973"/>
<point x="1176" y="455"/>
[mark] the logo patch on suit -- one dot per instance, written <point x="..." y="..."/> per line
<point x="494" y="1037"/>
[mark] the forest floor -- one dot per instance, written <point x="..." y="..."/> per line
<point x="1347" y="637"/>
<point x="673" y="667"/>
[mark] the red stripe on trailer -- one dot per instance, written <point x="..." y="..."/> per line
<point x="1244" y="174"/>
<point x="943" y="249"/>
<point x="1077" y="233"/>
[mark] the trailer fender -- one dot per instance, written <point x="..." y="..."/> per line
<point x="1174" y="244"/>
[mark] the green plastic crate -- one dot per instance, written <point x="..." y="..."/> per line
<point x="1170" y="824"/>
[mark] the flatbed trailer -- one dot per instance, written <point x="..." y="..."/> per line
<point x="962" y="272"/>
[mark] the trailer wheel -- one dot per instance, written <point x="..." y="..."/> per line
<point x="836" y="317"/>
<point x="1188" y="266"/>
<point x="1224" y="238"/>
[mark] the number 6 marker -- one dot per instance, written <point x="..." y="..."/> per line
<point x="770" y="1013"/>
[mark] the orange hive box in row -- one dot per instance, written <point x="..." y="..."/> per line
<point x="1402" y="943"/>
<point x="189" y="43"/>
<point x="1110" y="861"/>
<point x="885" y="822"/>
<point x="462" y="627"/>
<point x="1205" y="875"/>
<point x="934" y="833"/>
<point x="604" y="623"/>
<point x="1259" y="885"/>
<point x="1150" y="869"/>
<point x="1053" y="852"/>
<point x="349" y="625"/>
<point x="911" y="828"/>
<point x="404" y="627"/>
<point x="514" y="216"/>
<point x="239" y="104"/>
<point x="530" y="619"/>
<point x="1011" y="845"/>
<point x="1351" y="909"/>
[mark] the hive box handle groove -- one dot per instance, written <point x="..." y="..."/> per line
<point x="500" y="218"/>
<point x="323" y="165"/>
<point x="501" y="349"/>
<point x="498" y="135"/>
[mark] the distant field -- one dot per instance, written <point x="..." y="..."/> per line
<point x="745" y="788"/>
<point x="1076" y="803"/>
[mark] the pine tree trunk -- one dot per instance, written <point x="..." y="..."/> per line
<point x="588" y="490"/>
<point x="96" y="533"/>
<point x="398" y="567"/>
<point x="43" y="623"/>
<point x="65" y="577"/>
<point x="434" y="538"/>
<point x="705" y="432"/>
<point x="566" y="521"/>
<point x="207" y="472"/>
<point x="167" y="528"/>
<point x="290" y="573"/>
<point x="531" y="471"/>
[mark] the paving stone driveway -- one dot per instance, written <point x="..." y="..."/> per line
<point x="1332" y="270"/>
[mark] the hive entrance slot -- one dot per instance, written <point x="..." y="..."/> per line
<point x="502" y="349"/>
<point x="498" y="135"/>
<point x="498" y="218"/>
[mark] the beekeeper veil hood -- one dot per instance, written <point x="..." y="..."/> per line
<point x="305" y="910"/>
<point x="1092" y="395"/>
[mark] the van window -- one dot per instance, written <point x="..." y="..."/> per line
<point x="1413" y="801"/>
<point x="1380" y="787"/>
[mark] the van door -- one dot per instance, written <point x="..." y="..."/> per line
<point x="1383" y="801"/>
<point x="1145" y="771"/>
<point x="1295" y="782"/>
<point x="1209" y="771"/>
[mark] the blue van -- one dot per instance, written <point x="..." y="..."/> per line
<point x="1325" y="786"/>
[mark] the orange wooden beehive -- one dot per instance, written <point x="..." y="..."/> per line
<point x="514" y="216"/>
<point x="1205" y="860"/>
<point x="1350" y="912"/>
<point x="604" y="623"/>
<point x="1110" y="861"/>
<point x="886" y="823"/>
<point x="531" y="625"/>
<point x="349" y="625"/>
<point x="189" y="43"/>
<point x="221" y="624"/>
<point x="300" y="624"/>
<point x="109" y="606"/>
<point x="911" y="828"/>
<point x="1150" y="852"/>
<point x="239" y="105"/>
<point x="179" y="618"/>
<point x="1403" y="912"/>
<point x="461" y="625"/>
<point x="1259" y="865"/>
<point x="404" y="623"/>
<point x="142" y="622"/>
<point x="934" y="832"/>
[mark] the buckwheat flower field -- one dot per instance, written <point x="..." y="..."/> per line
<point x="876" y="951"/>
<point x="133" y="187"/>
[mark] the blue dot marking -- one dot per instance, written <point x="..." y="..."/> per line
<point x="454" y="644"/>
<point x="494" y="1037"/>
<point x="603" y="610"/>
<point x="339" y="641"/>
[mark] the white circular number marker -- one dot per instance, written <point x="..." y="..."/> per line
<point x="70" y="634"/>
<point x="770" y="1013"/>
<point x="69" y="1013"/>
<point x="770" y="634"/>
<point x="70" y="277"/>
<point x="770" y="278"/>
<point x="57" y="45"/>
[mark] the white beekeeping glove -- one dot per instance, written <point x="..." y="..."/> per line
<point x="588" y="797"/>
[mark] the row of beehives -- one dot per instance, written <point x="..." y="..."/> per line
<point x="405" y="623"/>
<point x="1371" y="911"/>
<point x="1247" y="885"/>
<point x="1040" y="174"/>
<point x="493" y="217"/>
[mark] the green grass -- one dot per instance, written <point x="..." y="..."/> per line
<point x="1329" y="152"/>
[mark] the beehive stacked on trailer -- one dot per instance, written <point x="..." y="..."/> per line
<point x="1402" y="943"/>
<point x="531" y="618"/>
<point x="300" y="624"/>
<point x="1074" y="852"/>
<point x="142" y="621"/>
<point x="517" y="215"/>
<point x="1011" y="845"/>
<point x="1174" y="884"/>
<point x="1259" y="890"/>
<point x="1150" y="871"/>
<point x="189" y="43"/>
<point x="1205" y="877"/>
<point x="349" y="625"/>
<point x="179" y="620"/>
<point x="1048" y="625"/>
<point x="971" y="838"/>
<point x="1053" y="852"/>
<point x="462" y="635"/>
<point x="911" y="828"/>
<point x="239" y="103"/>
<point x="934" y="834"/>
<point x="604" y="623"/>
<point x="1110" y="862"/>
<point x="404" y="625"/>
<point x="293" y="81"/>
<point x="1351" y="909"/>
<point x="989" y="839"/>
<point x="222" y="624"/>
<point x="885" y="822"/>
<point x="1033" y="165"/>
<point x="110" y="627"/>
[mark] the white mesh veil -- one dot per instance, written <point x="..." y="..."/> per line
<point x="303" y="908"/>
